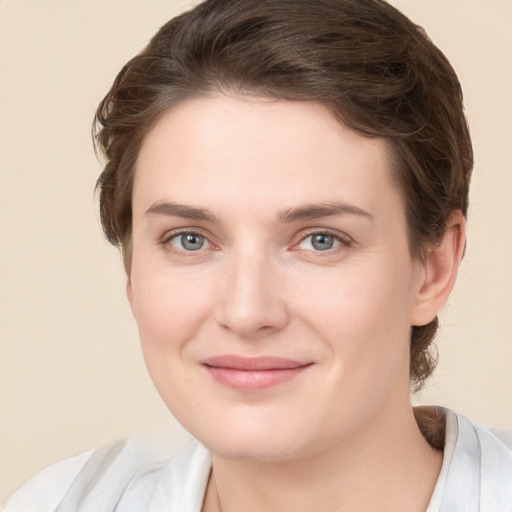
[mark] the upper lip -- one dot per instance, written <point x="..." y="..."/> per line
<point x="260" y="363"/>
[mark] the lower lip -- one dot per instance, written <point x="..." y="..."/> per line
<point x="253" y="380"/>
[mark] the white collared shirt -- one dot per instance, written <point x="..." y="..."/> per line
<point x="133" y="476"/>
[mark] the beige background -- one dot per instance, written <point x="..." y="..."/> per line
<point x="71" y="373"/>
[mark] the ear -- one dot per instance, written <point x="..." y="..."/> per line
<point x="129" y="292"/>
<point x="440" y="271"/>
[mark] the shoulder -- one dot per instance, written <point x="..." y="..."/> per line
<point x="45" y="490"/>
<point x="481" y="465"/>
<point x="490" y="446"/>
<point x="126" y="475"/>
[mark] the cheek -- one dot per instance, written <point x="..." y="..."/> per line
<point x="169" y="310"/>
<point x="363" y="312"/>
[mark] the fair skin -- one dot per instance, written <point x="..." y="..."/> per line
<point x="274" y="291"/>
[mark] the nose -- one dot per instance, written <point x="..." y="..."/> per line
<point x="251" y="303"/>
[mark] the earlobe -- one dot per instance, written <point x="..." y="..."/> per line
<point x="440" y="271"/>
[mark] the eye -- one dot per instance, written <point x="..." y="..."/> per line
<point x="188" y="242"/>
<point x="321" y="242"/>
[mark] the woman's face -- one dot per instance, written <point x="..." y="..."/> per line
<point x="271" y="278"/>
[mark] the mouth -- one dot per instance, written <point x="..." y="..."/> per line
<point x="253" y="373"/>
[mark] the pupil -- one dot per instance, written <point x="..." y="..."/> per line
<point x="192" y="242"/>
<point x="322" y="242"/>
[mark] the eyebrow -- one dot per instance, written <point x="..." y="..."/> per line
<point x="300" y="213"/>
<point x="180" y="210"/>
<point x="320" y="211"/>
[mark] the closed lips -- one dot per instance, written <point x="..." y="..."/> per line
<point x="253" y="363"/>
<point x="253" y="374"/>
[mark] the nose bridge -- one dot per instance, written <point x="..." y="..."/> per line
<point x="251" y="301"/>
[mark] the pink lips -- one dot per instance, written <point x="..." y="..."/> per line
<point x="253" y="373"/>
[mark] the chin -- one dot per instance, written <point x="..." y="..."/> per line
<point x="256" y="437"/>
<point x="255" y="448"/>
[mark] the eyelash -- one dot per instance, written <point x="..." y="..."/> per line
<point x="169" y="237"/>
<point x="343" y="240"/>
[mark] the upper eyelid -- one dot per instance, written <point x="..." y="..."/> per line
<point x="172" y="233"/>
<point x="324" y="231"/>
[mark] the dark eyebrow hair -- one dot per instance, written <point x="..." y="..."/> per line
<point x="180" y="210"/>
<point x="318" y="211"/>
<point x="306" y="212"/>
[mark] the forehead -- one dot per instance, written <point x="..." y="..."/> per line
<point x="245" y="151"/>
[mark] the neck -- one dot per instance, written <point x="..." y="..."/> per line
<point x="389" y="468"/>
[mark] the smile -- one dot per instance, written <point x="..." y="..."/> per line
<point x="253" y="374"/>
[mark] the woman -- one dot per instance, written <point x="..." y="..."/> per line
<point x="288" y="183"/>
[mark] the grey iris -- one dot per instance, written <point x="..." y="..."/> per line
<point x="322" y="242"/>
<point x="192" y="242"/>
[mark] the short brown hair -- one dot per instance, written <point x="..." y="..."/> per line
<point x="375" y="70"/>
